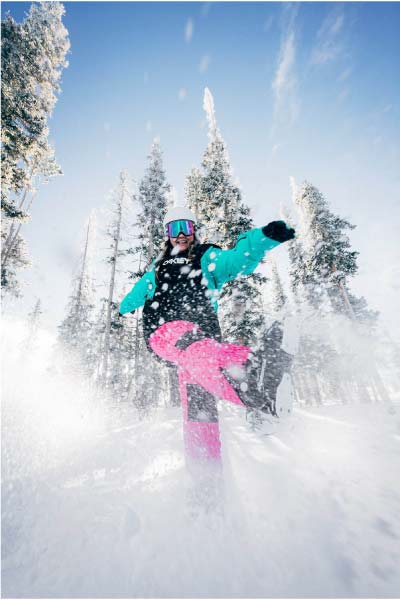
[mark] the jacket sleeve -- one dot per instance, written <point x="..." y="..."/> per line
<point x="143" y="290"/>
<point x="225" y="265"/>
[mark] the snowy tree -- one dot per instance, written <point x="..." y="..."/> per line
<point x="223" y="216"/>
<point x="153" y="201"/>
<point x="328" y="258"/>
<point x="77" y="328"/>
<point x="322" y="263"/>
<point x="153" y="198"/>
<point x="33" y="57"/>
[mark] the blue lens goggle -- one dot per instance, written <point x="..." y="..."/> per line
<point x="174" y="228"/>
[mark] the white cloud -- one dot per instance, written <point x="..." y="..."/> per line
<point x="337" y="25"/>
<point x="189" y="30"/>
<point x="284" y="85"/>
<point x="204" y="63"/>
<point x="283" y="76"/>
<point x="328" y="41"/>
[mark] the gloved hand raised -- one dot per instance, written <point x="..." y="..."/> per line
<point x="278" y="231"/>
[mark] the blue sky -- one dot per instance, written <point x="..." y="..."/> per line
<point x="308" y="90"/>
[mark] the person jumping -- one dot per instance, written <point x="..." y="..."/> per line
<point x="179" y="295"/>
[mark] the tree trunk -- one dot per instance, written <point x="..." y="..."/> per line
<point x="83" y="270"/>
<point x="107" y="333"/>
<point x="11" y="238"/>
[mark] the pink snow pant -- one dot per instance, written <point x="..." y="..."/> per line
<point x="199" y="364"/>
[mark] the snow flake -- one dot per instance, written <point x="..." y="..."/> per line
<point x="211" y="267"/>
<point x="236" y="371"/>
<point x="243" y="386"/>
<point x="154" y="305"/>
<point x="212" y="255"/>
<point x="164" y="287"/>
<point x="161" y="321"/>
<point x="185" y="270"/>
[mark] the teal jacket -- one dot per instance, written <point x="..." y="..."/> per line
<point x="218" y="266"/>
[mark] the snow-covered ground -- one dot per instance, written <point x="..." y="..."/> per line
<point x="96" y="504"/>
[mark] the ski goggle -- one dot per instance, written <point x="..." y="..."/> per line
<point x="174" y="228"/>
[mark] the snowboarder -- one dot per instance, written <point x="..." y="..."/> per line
<point x="275" y="361"/>
<point x="179" y="294"/>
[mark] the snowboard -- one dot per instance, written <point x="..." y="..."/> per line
<point x="284" y="396"/>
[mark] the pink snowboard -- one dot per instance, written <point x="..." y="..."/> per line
<point x="199" y="364"/>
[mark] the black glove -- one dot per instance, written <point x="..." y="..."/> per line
<point x="278" y="231"/>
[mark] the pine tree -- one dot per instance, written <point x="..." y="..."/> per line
<point x="313" y="352"/>
<point x="33" y="56"/>
<point x="322" y="261"/>
<point x="322" y="267"/>
<point x="153" y="200"/>
<point x="329" y="262"/>
<point x="217" y="201"/>
<point x="77" y="329"/>
<point x="195" y="199"/>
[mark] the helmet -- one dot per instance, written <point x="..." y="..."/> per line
<point x="179" y="212"/>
